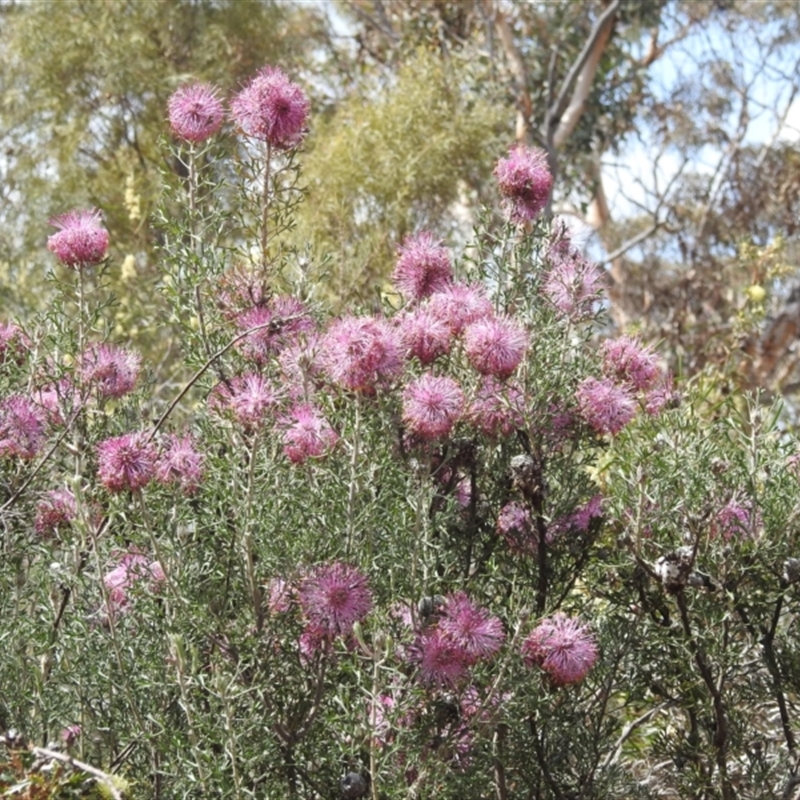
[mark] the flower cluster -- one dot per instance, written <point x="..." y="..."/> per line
<point x="81" y="240"/>
<point x="525" y="182"/>
<point x="563" y="647"/>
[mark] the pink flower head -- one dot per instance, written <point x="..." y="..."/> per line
<point x="432" y="405"/>
<point x="126" y="462"/>
<point x="180" y="462"/>
<point x="497" y="409"/>
<point x="735" y="521"/>
<point x="358" y="352"/>
<point x="112" y="371"/>
<point x="662" y="395"/>
<point x="271" y="108"/>
<point x="22" y="427"/>
<point x="313" y="641"/>
<point x="495" y="345"/>
<point x="562" y="647"/>
<point x="423" y="267"/>
<point x="608" y="408"/>
<point x="460" y="305"/>
<point x="300" y="366"/>
<point x="471" y="627"/>
<point x="628" y="362"/>
<point x="515" y="525"/>
<point x="195" y="112"/>
<point x="81" y="240"/>
<point x="14" y="344"/>
<point x="525" y="182"/>
<point x="281" y="321"/>
<point x="55" y="512"/>
<point x="441" y="661"/>
<point x="249" y="398"/>
<point x="580" y="519"/>
<point x="572" y="284"/>
<point x="132" y="568"/>
<point x="425" y="335"/>
<point x="334" y="597"/>
<point x="58" y="400"/>
<point x="307" y="435"/>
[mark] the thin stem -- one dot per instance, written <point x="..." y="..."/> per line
<point x="255" y="589"/>
<point x="195" y="243"/>
<point x="265" y="209"/>
<point x="354" y="483"/>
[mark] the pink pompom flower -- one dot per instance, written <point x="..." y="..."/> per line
<point x="55" y="512"/>
<point x="180" y="462"/>
<point x="515" y="525"/>
<point x="307" y="434"/>
<point x="81" y="240"/>
<point x="334" y="597"/>
<point x="195" y="112"/>
<point x="525" y="182"/>
<point x="425" y="336"/>
<point x="14" y="344"/>
<point x="563" y="647"/>
<point x="572" y="284"/>
<point x="432" y="405"/>
<point x="440" y="660"/>
<point x="272" y="108"/>
<point x="126" y="462"/>
<point x="459" y="305"/>
<point x="608" y="408"/>
<point x="423" y="267"/>
<point x="112" y="371"/>
<point x="248" y="398"/>
<point x="497" y="408"/>
<point x="495" y="346"/>
<point x="736" y="521"/>
<point x="279" y="323"/>
<point x="22" y="427"/>
<point x="133" y="567"/>
<point x="357" y="353"/>
<point x="628" y="362"/>
<point x="471" y="627"/>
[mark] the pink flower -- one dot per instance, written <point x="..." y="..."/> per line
<point x="111" y="370"/>
<point x="334" y="597"/>
<point x="572" y="284"/>
<point x="432" y="405"/>
<point x="313" y="641"/>
<point x="283" y="319"/>
<point x="441" y="661"/>
<point x="70" y="734"/>
<point x="249" y="398"/>
<point x="271" y="108"/>
<point x="300" y="366"/>
<point x="14" y="344"/>
<point x="471" y="627"/>
<point x="525" y="182"/>
<point x="423" y="267"/>
<point x="459" y="305"/>
<point x="580" y="519"/>
<point x="608" y="408"/>
<point x="126" y="462"/>
<point x="81" y="240"/>
<point x="58" y="401"/>
<point x="497" y="409"/>
<point x="55" y="511"/>
<point x="181" y="463"/>
<point x="195" y="112"/>
<point x="359" y="352"/>
<point x="562" y="647"/>
<point x="133" y="567"/>
<point x="735" y="521"/>
<point x="515" y="525"/>
<point x="22" y="427"/>
<point x="495" y="346"/>
<point x="628" y="362"/>
<point x="425" y="335"/>
<point x="662" y="395"/>
<point x="308" y="434"/>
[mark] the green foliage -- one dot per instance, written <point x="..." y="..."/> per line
<point x="397" y="156"/>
